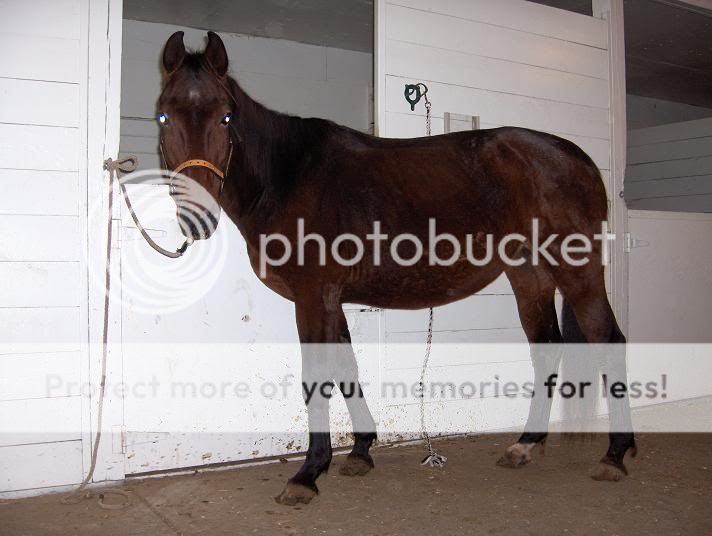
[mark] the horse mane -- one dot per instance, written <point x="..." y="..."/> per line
<point x="272" y="143"/>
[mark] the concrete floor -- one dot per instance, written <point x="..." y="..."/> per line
<point x="669" y="491"/>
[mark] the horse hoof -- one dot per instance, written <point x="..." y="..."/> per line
<point x="518" y="455"/>
<point x="294" y="493"/>
<point x="356" y="465"/>
<point x="608" y="472"/>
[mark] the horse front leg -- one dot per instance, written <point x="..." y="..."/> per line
<point x="318" y="332"/>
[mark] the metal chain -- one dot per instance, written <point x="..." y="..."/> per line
<point x="433" y="459"/>
<point x="428" y="122"/>
<point x="423" y="428"/>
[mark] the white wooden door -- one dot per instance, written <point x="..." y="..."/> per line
<point x="670" y="280"/>
<point x="667" y="183"/>
<point x="509" y="62"/>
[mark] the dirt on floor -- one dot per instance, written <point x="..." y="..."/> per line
<point x="669" y="491"/>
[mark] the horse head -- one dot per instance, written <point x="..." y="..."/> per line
<point x="195" y="109"/>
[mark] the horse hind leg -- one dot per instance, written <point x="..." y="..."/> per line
<point x="584" y="289"/>
<point x="359" y="461"/>
<point x="534" y="291"/>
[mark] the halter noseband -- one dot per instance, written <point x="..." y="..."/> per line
<point x="198" y="162"/>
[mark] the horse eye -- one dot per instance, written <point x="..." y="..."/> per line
<point x="162" y="118"/>
<point x="226" y="119"/>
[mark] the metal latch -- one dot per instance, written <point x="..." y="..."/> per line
<point x="132" y="233"/>
<point x="632" y="243"/>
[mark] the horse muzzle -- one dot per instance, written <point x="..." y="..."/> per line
<point x="197" y="224"/>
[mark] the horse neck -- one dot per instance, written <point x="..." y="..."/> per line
<point x="267" y="148"/>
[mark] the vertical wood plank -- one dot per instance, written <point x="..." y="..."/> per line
<point x="612" y="12"/>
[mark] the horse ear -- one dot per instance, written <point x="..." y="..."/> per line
<point x="216" y="54"/>
<point x="173" y="53"/>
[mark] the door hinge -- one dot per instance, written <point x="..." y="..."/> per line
<point x="119" y="439"/>
<point x="631" y="243"/>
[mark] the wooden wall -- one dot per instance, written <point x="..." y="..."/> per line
<point x="670" y="167"/>
<point x="42" y="290"/>
<point x="512" y="63"/>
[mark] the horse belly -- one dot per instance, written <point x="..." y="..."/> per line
<point x="420" y="287"/>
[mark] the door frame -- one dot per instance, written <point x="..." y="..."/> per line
<point x="103" y="33"/>
<point x="612" y="12"/>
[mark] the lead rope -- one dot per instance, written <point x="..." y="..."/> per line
<point x="433" y="459"/>
<point x="114" y="167"/>
<point x="128" y="165"/>
<point x="81" y="493"/>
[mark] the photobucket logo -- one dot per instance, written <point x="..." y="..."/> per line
<point x="146" y="281"/>
<point x="440" y="249"/>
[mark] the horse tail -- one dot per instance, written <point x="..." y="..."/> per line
<point x="578" y="364"/>
<point x="570" y="329"/>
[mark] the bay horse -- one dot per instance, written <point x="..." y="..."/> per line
<point x="267" y="170"/>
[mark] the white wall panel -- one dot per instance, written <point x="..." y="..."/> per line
<point x="39" y="193"/>
<point x="676" y="203"/>
<point x="523" y="16"/>
<point x="452" y="33"/>
<point x="39" y="238"/>
<point x="40" y="420"/>
<point x="46" y="18"/>
<point x="476" y="336"/>
<point x="38" y="147"/>
<point x="671" y="132"/>
<point x="41" y="58"/>
<point x="42" y="85"/>
<point x="39" y="375"/>
<point x="33" y="329"/>
<point x="670" y="167"/>
<point x="671" y="150"/>
<point x="470" y="70"/>
<point x="42" y="465"/>
<point x="475" y="312"/>
<point x="32" y="102"/>
<point x="40" y="284"/>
